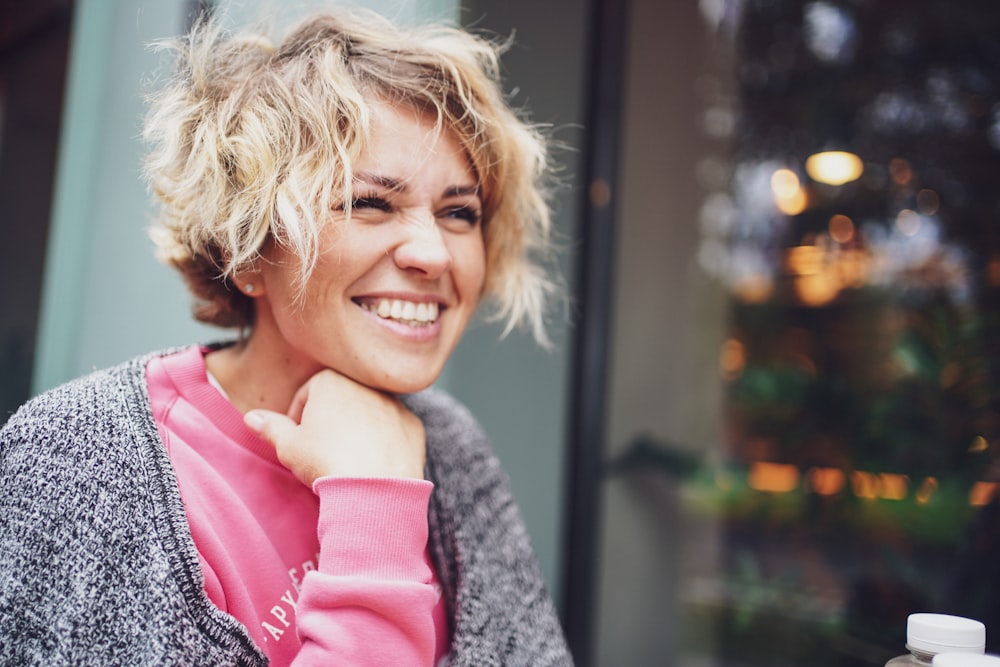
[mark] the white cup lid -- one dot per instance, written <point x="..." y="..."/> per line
<point x="941" y="633"/>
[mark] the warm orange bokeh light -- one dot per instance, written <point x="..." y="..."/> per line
<point x="773" y="477"/>
<point x="900" y="171"/>
<point x="817" y="289"/>
<point x="892" y="486"/>
<point x="982" y="493"/>
<point x="805" y="260"/>
<point x="834" y="167"/>
<point x="927" y="490"/>
<point x="789" y="197"/>
<point x="864" y="484"/>
<point x="841" y="228"/>
<point x="753" y="288"/>
<point x="769" y="477"/>
<point x="793" y="205"/>
<point x="979" y="444"/>
<point x="887" y="486"/>
<point x="826" y="481"/>
<point x="785" y="183"/>
<point x="732" y="358"/>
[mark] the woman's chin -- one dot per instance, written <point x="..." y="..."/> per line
<point x="391" y="373"/>
<point x="399" y="384"/>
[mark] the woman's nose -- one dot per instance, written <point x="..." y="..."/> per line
<point x="423" y="249"/>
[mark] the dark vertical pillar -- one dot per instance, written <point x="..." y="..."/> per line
<point x="593" y="299"/>
<point x="34" y="47"/>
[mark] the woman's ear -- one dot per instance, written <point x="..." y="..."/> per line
<point x="250" y="283"/>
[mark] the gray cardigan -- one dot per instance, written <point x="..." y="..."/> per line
<point x="98" y="567"/>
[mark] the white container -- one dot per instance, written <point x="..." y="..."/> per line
<point x="965" y="660"/>
<point x="927" y="635"/>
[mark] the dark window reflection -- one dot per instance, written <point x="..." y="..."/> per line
<point x="862" y="362"/>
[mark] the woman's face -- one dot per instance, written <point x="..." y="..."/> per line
<point x="397" y="281"/>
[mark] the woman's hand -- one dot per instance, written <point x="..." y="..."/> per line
<point x="337" y="427"/>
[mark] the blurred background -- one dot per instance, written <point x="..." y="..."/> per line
<point x="769" y="426"/>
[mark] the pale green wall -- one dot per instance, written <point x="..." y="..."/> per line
<point x="106" y="299"/>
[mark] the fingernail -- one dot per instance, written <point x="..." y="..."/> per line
<point x="254" y="420"/>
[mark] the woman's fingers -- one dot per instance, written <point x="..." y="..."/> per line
<point x="338" y="427"/>
<point x="271" y="426"/>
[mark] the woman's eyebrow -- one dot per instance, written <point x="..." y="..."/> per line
<point x="462" y="190"/>
<point x="398" y="185"/>
<point x="387" y="182"/>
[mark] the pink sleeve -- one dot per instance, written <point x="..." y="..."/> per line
<point x="371" y="600"/>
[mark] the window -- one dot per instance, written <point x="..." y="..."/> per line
<point x="804" y="412"/>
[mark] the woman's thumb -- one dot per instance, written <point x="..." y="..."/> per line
<point x="269" y="425"/>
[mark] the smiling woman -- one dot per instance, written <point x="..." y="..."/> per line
<point x="409" y="242"/>
<point x="345" y="197"/>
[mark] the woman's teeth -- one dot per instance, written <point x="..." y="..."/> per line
<point x="407" y="312"/>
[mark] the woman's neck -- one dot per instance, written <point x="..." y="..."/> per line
<point x="255" y="374"/>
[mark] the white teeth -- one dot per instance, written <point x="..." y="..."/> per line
<point x="409" y="312"/>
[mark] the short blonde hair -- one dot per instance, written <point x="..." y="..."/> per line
<point x="254" y="140"/>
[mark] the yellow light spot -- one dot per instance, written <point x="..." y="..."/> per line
<point x="979" y="444"/>
<point x="927" y="490"/>
<point x="834" y="167"/>
<point x="792" y="205"/>
<point x="818" y="289"/>
<point x="773" y="477"/>
<point x="784" y="183"/>
<point x="789" y="197"/>
<point x="892" y="486"/>
<point x="805" y="260"/>
<point x="755" y="288"/>
<point x="982" y="493"/>
<point x="864" y="484"/>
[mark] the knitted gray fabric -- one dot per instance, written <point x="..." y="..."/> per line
<point x="98" y="567"/>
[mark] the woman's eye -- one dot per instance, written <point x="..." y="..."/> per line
<point x="376" y="203"/>
<point x="469" y="214"/>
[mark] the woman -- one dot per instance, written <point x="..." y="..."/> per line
<point x="344" y="198"/>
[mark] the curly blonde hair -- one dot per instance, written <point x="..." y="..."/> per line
<point x="253" y="140"/>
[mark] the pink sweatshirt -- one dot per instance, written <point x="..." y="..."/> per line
<point x="336" y="574"/>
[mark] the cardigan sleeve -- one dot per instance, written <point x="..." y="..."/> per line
<point x="502" y="612"/>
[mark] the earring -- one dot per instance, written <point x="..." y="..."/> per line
<point x="248" y="288"/>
